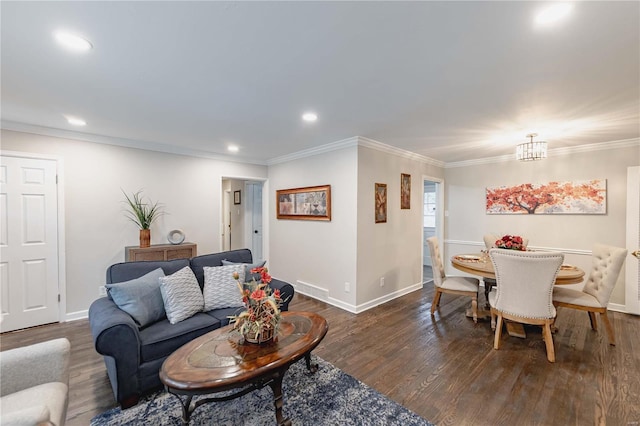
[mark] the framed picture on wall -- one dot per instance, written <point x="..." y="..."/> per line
<point x="236" y="197"/>
<point x="571" y="197"/>
<point x="381" y="202"/>
<point x="405" y="191"/>
<point x="309" y="203"/>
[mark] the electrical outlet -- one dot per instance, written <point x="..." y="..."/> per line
<point x="347" y="287"/>
<point x="381" y="281"/>
<point x="102" y="291"/>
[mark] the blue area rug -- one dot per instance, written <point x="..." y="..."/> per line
<point x="328" y="397"/>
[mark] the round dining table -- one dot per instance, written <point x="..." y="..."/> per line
<point x="480" y="264"/>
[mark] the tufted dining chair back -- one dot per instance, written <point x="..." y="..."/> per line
<point x="594" y="297"/>
<point x="606" y="264"/>
<point x="457" y="285"/>
<point x="524" y="291"/>
<point x="525" y="282"/>
<point x="436" y="261"/>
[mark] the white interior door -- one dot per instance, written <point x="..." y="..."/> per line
<point x="632" y="268"/>
<point x="226" y="221"/>
<point x="29" y="294"/>
<point x="256" y="222"/>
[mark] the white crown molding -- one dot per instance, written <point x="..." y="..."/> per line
<point x="373" y="144"/>
<point x="625" y="143"/>
<point x="333" y="146"/>
<point x="126" y="143"/>
<point x="356" y="141"/>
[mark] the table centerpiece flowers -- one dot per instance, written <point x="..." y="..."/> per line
<point x="511" y="242"/>
<point x="259" y="322"/>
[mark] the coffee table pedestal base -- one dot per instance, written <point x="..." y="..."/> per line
<point x="274" y="382"/>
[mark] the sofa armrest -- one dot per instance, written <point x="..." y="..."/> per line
<point x="116" y="335"/>
<point x="109" y="322"/>
<point x="29" y="366"/>
<point x="286" y="292"/>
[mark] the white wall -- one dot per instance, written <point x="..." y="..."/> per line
<point x="467" y="221"/>
<point x="317" y="257"/>
<point x="392" y="250"/>
<point x="96" y="228"/>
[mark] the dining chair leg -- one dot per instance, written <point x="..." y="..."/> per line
<point x="609" y="327"/>
<point x="493" y="320"/>
<point x="498" y="334"/>
<point x="474" y="308"/>
<point x="548" y="341"/>
<point x="593" y="321"/>
<point x="436" y="300"/>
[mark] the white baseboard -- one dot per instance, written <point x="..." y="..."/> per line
<point x="387" y="297"/>
<point x="322" y="294"/>
<point x="617" y="307"/>
<point x="74" y="316"/>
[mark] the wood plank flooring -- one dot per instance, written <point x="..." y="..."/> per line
<point x="444" y="368"/>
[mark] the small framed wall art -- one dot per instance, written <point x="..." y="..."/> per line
<point x="381" y="202"/>
<point x="405" y="191"/>
<point x="236" y="197"/>
<point x="308" y="203"/>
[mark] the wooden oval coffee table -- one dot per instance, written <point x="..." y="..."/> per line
<point x="221" y="360"/>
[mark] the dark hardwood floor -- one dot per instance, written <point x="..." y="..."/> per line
<point x="443" y="368"/>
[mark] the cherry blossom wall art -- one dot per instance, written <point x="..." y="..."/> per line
<point x="576" y="197"/>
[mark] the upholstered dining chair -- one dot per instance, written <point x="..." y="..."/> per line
<point x="524" y="291"/>
<point x="489" y="243"/>
<point x="464" y="286"/>
<point x="594" y="297"/>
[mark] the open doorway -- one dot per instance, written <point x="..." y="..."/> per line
<point x="431" y="222"/>
<point x="242" y="216"/>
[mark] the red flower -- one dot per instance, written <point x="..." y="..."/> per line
<point x="258" y="294"/>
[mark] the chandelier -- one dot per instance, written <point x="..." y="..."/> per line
<point x="531" y="150"/>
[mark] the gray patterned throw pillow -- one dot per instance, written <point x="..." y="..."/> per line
<point x="220" y="289"/>
<point x="181" y="295"/>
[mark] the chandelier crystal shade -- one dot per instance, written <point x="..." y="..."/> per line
<point x="531" y="150"/>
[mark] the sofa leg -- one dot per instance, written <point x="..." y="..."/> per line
<point x="130" y="401"/>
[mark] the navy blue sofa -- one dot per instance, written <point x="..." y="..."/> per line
<point x="134" y="355"/>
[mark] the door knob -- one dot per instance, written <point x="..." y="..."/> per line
<point x="636" y="254"/>
<point x="255" y="231"/>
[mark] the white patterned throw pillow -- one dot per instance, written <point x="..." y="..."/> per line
<point x="220" y="289"/>
<point x="181" y="295"/>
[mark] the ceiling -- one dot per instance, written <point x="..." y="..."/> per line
<point x="453" y="81"/>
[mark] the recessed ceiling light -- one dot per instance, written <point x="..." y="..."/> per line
<point x="553" y="13"/>
<point x="72" y="41"/>
<point x="232" y="148"/>
<point x="309" y="116"/>
<point x="76" y="121"/>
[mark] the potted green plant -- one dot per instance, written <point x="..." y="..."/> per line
<point x="142" y="214"/>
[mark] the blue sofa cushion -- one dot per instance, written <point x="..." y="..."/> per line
<point x="140" y="297"/>
<point x="126" y="271"/>
<point x="162" y="338"/>
<point x="223" y="315"/>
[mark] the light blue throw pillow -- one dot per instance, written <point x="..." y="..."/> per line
<point x="247" y="269"/>
<point x="141" y="298"/>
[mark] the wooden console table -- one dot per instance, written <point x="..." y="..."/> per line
<point x="161" y="252"/>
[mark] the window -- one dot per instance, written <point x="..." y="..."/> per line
<point x="429" y="209"/>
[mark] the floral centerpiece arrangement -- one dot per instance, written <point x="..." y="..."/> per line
<point x="511" y="242"/>
<point x="259" y="322"/>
